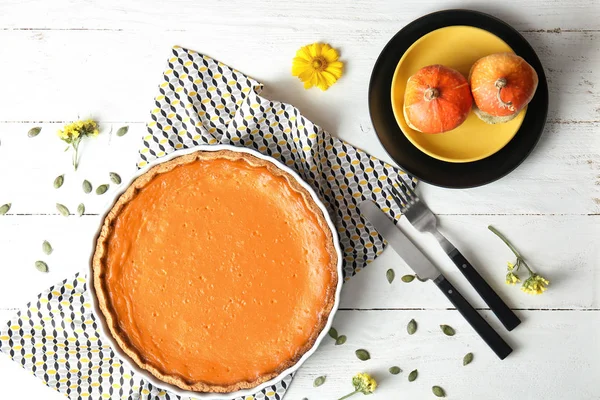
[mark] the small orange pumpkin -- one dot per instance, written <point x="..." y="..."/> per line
<point x="437" y="99"/>
<point x="502" y="85"/>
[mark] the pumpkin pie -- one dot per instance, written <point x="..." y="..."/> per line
<point x="215" y="271"/>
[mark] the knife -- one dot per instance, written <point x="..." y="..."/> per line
<point x="424" y="269"/>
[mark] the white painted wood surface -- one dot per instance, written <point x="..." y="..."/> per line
<point x="63" y="59"/>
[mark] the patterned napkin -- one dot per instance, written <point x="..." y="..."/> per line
<point x="202" y="101"/>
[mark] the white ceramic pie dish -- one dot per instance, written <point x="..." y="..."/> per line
<point x="107" y="337"/>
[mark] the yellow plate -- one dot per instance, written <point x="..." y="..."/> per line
<point x="456" y="47"/>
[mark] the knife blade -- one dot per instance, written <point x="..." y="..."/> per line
<point x="423" y="267"/>
<point x="415" y="259"/>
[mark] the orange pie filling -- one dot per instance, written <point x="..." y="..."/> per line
<point x="218" y="271"/>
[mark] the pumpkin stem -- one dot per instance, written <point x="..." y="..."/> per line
<point x="500" y="84"/>
<point x="431" y="93"/>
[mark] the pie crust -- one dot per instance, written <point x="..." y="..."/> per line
<point x="99" y="267"/>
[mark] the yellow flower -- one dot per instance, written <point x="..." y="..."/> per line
<point x="77" y="129"/>
<point x="68" y="134"/>
<point x="512" y="279"/>
<point x="535" y="284"/>
<point x="317" y="65"/>
<point x="364" y="383"/>
<point x="73" y="133"/>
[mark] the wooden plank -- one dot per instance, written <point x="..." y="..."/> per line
<point x="21" y="241"/>
<point x="306" y="14"/>
<point x="560" y="177"/>
<point x="544" y="341"/>
<point x="62" y="74"/>
<point x="41" y="159"/>
<point x="563" y="248"/>
<point x="551" y="348"/>
<point x="6" y="314"/>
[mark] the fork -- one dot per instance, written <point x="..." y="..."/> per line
<point x="425" y="221"/>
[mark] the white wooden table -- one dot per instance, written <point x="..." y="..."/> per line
<point x="63" y="59"/>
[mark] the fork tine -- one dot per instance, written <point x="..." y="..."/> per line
<point x="396" y="193"/>
<point x="407" y="197"/>
<point x="398" y="201"/>
<point x="402" y="201"/>
<point x="411" y="192"/>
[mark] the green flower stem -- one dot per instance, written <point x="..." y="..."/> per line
<point x="505" y="240"/>
<point x="349" y="394"/>
<point x="76" y="153"/>
<point x="521" y="261"/>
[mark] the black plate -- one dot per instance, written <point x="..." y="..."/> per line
<point x="419" y="164"/>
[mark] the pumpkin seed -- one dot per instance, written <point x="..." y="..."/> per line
<point x="390" y="275"/>
<point x="448" y="330"/>
<point x="408" y="278"/>
<point x="4" y="209"/>
<point x="340" y="340"/>
<point x="33" y="132"/>
<point x="438" y="391"/>
<point x="395" y="370"/>
<point x="58" y="182"/>
<point x="102" y="189"/>
<point x="319" y="381"/>
<point x="115" y="178"/>
<point x="333" y="333"/>
<point x="41" y="266"/>
<point x="47" y="247"/>
<point x="63" y="210"/>
<point x="467" y="358"/>
<point x="122" y="131"/>
<point x="413" y="375"/>
<point x="420" y="279"/>
<point x="362" y="354"/>
<point x="87" y="186"/>
<point x="80" y="209"/>
<point x="411" y="328"/>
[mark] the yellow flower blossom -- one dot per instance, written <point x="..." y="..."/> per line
<point x="68" y="134"/>
<point x="363" y="383"/>
<point x="512" y="279"/>
<point x="78" y="129"/>
<point x="73" y="133"/>
<point x="318" y="65"/>
<point x="535" y="284"/>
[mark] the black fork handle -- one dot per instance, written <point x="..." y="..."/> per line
<point x="508" y="318"/>
<point x="481" y="326"/>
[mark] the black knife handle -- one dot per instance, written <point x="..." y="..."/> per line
<point x="485" y="331"/>
<point x="508" y="318"/>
